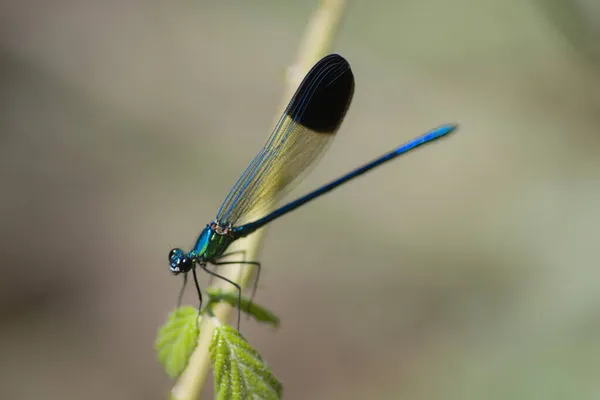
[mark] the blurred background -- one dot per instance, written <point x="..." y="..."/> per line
<point x="465" y="271"/>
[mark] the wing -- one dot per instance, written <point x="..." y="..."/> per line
<point x="308" y="124"/>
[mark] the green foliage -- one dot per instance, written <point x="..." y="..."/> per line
<point x="259" y="313"/>
<point x="176" y="340"/>
<point x="239" y="371"/>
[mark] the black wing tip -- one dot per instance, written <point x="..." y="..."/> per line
<point x="324" y="96"/>
<point x="333" y="57"/>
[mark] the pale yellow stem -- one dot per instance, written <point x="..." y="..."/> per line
<point x="318" y="40"/>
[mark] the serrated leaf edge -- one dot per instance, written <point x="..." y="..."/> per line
<point x="171" y="333"/>
<point x="219" y="329"/>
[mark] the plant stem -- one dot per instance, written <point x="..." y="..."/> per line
<point x="318" y="40"/>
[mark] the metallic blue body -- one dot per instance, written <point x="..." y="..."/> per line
<point x="215" y="239"/>
<point x="301" y="135"/>
<point x="434" y="134"/>
<point x="210" y="245"/>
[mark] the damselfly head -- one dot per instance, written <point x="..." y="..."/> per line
<point x="179" y="261"/>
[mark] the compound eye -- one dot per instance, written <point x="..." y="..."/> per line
<point x="175" y="255"/>
<point x="178" y="261"/>
<point x="186" y="264"/>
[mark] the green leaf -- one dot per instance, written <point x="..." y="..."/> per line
<point x="259" y="313"/>
<point x="239" y="371"/>
<point x="176" y="340"/>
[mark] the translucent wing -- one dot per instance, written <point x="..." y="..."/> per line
<point x="309" y="123"/>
